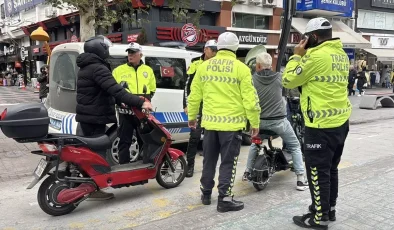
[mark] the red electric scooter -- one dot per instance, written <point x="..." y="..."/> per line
<point x="86" y="169"/>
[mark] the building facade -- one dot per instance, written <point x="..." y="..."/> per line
<point x="15" y="44"/>
<point x="18" y="21"/>
<point x="375" y="23"/>
<point x="255" y="22"/>
<point x="341" y="15"/>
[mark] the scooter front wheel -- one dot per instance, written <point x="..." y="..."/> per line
<point x="168" y="179"/>
<point x="47" y="197"/>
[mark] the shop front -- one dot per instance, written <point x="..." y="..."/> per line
<point x="381" y="53"/>
<point x="249" y="38"/>
<point x="39" y="53"/>
<point x="181" y="35"/>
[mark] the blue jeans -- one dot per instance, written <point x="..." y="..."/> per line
<point x="283" y="128"/>
<point x="288" y="110"/>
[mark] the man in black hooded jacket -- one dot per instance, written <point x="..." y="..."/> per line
<point x="97" y="91"/>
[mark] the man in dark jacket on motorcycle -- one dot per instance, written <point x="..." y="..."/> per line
<point x="43" y="79"/>
<point x="96" y="90"/>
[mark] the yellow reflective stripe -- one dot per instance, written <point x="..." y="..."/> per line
<point x="223" y="119"/>
<point x="327" y="113"/>
<point x="316" y="197"/>
<point x="229" y="80"/>
<point x="331" y="78"/>
<point x="233" y="172"/>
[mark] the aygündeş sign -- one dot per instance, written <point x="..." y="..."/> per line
<point x="15" y="6"/>
<point x="339" y="6"/>
<point x="251" y="38"/>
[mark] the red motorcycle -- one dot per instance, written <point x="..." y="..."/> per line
<point x="86" y="169"/>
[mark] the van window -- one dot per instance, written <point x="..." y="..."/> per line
<point x="115" y="61"/>
<point x="64" y="69"/>
<point x="170" y="73"/>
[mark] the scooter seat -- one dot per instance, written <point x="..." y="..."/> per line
<point x="101" y="142"/>
<point x="267" y="132"/>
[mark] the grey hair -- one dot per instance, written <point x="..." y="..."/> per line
<point x="265" y="60"/>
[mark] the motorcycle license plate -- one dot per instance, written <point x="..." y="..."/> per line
<point x="40" y="168"/>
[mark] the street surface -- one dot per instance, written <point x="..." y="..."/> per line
<point x="365" y="198"/>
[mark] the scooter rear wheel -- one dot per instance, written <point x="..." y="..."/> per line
<point x="47" y="196"/>
<point x="261" y="172"/>
<point x="165" y="172"/>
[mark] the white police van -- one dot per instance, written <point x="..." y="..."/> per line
<point x="167" y="102"/>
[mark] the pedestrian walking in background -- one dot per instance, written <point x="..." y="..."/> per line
<point x="225" y="86"/>
<point x="361" y="81"/>
<point x="324" y="100"/>
<point x="43" y="79"/>
<point x="351" y="80"/>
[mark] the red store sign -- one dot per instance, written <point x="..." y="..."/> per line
<point x="115" y="38"/>
<point x="185" y="34"/>
<point x="132" y="37"/>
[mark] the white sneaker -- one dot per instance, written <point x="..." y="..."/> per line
<point x="302" y="186"/>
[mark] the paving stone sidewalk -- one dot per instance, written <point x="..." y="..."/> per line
<point x="365" y="202"/>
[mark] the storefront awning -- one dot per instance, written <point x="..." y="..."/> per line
<point x="349" y="38"/>
<point x="382" y="54"/>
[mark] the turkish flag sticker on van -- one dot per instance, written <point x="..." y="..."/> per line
<point x="167" y="71"/>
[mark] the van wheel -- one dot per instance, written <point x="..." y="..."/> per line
<point x="113" y="152"/>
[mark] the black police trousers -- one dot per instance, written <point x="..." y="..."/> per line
<point x="195" y="137"/>
<point x="228" y="145"/>
<point x="323" y="151"/>
<point x="127" y="125"/>
<point x="91" y="129"/>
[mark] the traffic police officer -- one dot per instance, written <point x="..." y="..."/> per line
<point x="225" y="86"/>
<point x="138" y="76"/>
<point x="210" y="50"/>
<point x="320" y="66"/>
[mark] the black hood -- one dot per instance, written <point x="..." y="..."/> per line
<point x="86" y="59"/>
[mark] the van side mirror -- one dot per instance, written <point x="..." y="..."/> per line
<point x="144" y="90"/>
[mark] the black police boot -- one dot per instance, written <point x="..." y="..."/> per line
<point x="228" y="204"/>
<point x="331" y="213"/>
<point x="206" y="199"/>
<point x="190" y="170"/>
